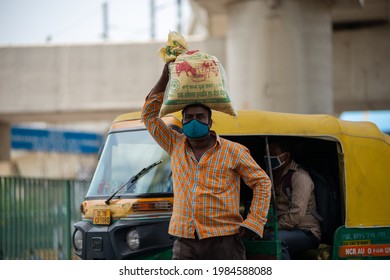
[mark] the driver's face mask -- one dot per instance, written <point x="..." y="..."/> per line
<point x="276" y="161"/>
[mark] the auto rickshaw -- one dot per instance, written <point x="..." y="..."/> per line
<point x="127" y="208"/>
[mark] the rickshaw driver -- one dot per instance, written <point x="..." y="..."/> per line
<point x="298" y="229"/>
<point x="206" y="180"/>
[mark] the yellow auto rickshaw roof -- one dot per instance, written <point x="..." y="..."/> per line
<point x="365" y="152"/>
<point x="273" y="123"/>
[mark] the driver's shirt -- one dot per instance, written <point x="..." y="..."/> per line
<point x="207" y="192"/>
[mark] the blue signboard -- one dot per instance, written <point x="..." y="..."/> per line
<point x="55" y="140"/>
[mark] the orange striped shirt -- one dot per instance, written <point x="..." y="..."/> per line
<point x="207" y="192"/>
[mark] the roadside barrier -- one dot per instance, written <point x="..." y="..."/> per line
<point x="37" y="217"/>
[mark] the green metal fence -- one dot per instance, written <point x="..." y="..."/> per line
<point x="37" y="217"/>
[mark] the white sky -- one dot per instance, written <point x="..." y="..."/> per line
<point x="81" y="21"/>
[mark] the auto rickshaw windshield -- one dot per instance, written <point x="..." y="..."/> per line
<point x="125" y="154"/>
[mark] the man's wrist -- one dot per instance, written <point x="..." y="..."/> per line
<point x="154" y="93"/>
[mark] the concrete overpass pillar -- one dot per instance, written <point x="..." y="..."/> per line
<point x="279" y="55"/>
<point x="5" y="141"/>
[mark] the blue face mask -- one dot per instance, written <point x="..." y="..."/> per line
<point x="195" y="129"/>
<point x="275" y="161"/>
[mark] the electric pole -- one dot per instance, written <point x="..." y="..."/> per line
<point x="105" y="21"/>
<point x="152" y="20"/>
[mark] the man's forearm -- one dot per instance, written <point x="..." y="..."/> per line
<point x="162" y="82"/>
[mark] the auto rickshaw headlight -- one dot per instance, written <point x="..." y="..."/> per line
<point x="132" y="239"/>
<point x="78" y="240"/>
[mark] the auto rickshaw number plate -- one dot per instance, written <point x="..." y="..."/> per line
<point x="101" y="216"/>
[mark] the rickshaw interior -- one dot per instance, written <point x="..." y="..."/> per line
<point x="322" y="155"/>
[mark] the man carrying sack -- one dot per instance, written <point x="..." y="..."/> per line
<point x="206" y="181"/>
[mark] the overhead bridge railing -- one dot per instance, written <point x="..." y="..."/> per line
<point x="36" y="217"/>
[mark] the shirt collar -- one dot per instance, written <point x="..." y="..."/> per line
<point x="292" y="166"/>
<point x="212" y="132"/>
